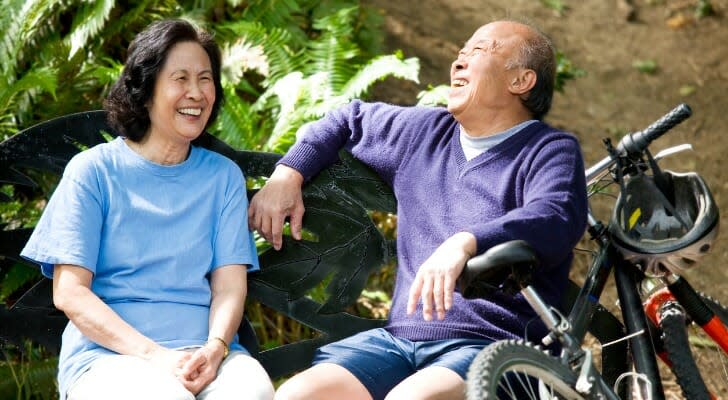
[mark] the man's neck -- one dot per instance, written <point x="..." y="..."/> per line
<point x="488" y="123"/>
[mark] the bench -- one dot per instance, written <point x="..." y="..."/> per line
<point x="344" y="247"/>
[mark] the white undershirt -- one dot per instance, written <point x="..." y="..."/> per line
<point x="475" y="146"/>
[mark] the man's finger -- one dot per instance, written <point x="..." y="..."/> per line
<point x="297" y="222"/>
<point x="414" y="295"/>
<point x="277" y="230"/>
<point x="427" y="298"/>
<point x="449" y="288"/>
<point x="438" y="297"/>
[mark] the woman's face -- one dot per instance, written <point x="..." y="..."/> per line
<point x="183" y="94"/>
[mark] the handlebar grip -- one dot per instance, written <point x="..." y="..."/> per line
<point x="635" y="143"/>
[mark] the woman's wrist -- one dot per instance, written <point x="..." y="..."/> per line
<point x="220" y="342"/>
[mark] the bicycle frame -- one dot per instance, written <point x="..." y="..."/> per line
<point x="572" y="330"/>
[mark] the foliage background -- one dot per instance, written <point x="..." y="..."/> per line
<point x="286" y="62"/>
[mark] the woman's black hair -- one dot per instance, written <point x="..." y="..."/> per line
<point x="126" y="104"/>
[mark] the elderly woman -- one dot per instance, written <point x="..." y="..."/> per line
<point x="146" y="239"/>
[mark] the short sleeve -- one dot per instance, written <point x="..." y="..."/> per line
<point x="69" y="229"/>
<point x="234" y="243"/>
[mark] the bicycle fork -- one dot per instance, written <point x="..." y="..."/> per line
<point x="579" y="359"/>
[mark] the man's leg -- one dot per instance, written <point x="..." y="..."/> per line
<point x="239" y="376"/>
<point x="118" y="377"/>
<point x="431" y="383"/>
<point x="323" y="382"/>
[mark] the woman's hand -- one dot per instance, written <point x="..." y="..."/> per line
<point x="436" y="277"/>
<point x="281" y="197"/>
<point x="169" y="360"/>
<point x="201" y="367"/>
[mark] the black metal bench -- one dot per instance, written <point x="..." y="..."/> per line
<point x="344" y="249"/>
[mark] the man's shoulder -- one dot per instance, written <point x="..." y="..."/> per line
<point x="541" y="131"/>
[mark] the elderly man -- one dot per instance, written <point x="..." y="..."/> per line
<point x="481" y="172"/>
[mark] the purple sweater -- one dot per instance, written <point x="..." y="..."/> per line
<point x="530" y="186"/>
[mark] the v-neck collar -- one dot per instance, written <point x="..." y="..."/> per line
<point x="464" y="165"/>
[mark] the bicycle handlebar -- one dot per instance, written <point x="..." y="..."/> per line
<point x="634" y="144"/>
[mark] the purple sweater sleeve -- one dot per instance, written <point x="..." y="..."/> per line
<point x="375" y="133"/>
<point x="552" y="217"/>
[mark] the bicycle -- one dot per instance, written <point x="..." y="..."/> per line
<point x="657" y="216"/>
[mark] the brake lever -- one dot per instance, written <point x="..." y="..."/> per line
<point x="673" y="150"/>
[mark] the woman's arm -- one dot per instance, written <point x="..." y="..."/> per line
<point x="97" y="321"/>
<point x="229" y="288"/>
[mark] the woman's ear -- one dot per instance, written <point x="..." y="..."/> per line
<point x="522" y="81"/>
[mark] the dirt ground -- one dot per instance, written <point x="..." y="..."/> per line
<point x="606" y="39"/>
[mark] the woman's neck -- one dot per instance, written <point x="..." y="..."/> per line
<point x="160" y="152"/>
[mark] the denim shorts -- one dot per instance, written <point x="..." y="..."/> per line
<point x="381" y="361"/>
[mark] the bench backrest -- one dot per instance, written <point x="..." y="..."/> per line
<point x="343" y="249"/>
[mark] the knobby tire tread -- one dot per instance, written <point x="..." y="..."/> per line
<point x="493" y="362"/>
<point x="677" y="346"/>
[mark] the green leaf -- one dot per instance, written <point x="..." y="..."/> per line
<point x="18" y="276"/>
<point x="88" y="21"/>
<point x="433" y="96"/>
<point x="648" y="67"/>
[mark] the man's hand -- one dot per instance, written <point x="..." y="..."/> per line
<point x="281" y="197"/>
<point x="436" y="277"/>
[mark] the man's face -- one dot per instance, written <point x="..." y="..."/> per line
<point x="479" y="77"/>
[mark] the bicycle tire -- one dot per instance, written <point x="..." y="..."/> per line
<point x="719" y="309"/>
<point x="677" y="346"/>
<point x="515" y="369"/>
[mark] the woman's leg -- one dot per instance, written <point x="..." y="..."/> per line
<point x="118" y="377"/>
<point x="239" y="376"/>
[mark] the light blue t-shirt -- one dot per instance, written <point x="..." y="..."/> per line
<point x="151" y="234"/>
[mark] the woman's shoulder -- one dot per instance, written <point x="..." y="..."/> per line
<point x="92" y="158"/>
<point x="216" y="162"/>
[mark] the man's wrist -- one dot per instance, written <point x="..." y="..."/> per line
<point x="285" y="172"/>
<point x="467" y="241"/>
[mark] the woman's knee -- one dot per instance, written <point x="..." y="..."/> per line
<point x="240" y="373"/>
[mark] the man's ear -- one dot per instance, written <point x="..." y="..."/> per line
<point x="522" y="81"/>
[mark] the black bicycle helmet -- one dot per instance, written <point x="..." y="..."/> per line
<point x="664" y="231"/>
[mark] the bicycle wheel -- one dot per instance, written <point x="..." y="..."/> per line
<point x="513" y="369"/>
<point x="677" y="346"/>
<point x="691" y="352"/>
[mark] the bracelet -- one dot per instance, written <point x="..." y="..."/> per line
<point x="224" y="345"/>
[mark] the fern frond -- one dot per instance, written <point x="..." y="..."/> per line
<point x="334" y="51"/>
<point x="237" y="124"/>
<point x="282" y="14"/>
<point x="39" y="79"/>
<point x="20" y="27"/>
<point x="281" y="59"/>
<point x="433" y="96"/>
<point x="88" y="22"/>
<point x="379" y="68"/>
